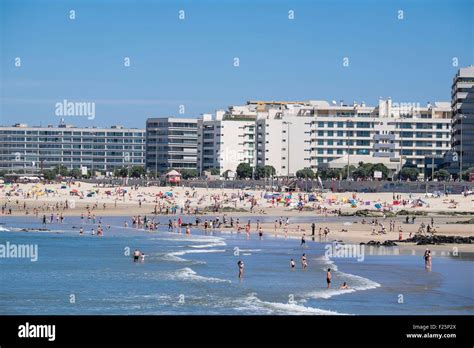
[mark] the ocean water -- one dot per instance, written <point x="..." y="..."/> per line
<point x="197" y="274"/>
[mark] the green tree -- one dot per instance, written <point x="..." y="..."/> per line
<point x="305" y="173"/>
<point x="75" y="173"/>
<point x="442" y="174"/>
<point x="363" y="171"/>
<point x="380" y="167"/>
<point x="262" y="172"/>
<point x="188" y="173"/>
<point x="60" y="170"/>
<point x="48" y="174"/>
<point x="121" y="172"/>
<point x="244" y="170"/>
<point x="465" y="174"/>
<point x="136" y="171"/>
<point x="409" y="173"/>
<point x="352" y="169"/>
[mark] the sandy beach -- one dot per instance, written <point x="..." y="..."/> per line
<point x="377" y="211"/>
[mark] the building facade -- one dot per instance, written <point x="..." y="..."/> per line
<point x="295" y="135"/>
<point x="31" y="149"/>
<point x="171" y="143"/>
<point x="462" y="102"/>
<point x="225" y="141"/>
<point x="403" y="133"/>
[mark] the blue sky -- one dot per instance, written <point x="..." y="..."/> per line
<point x="190" y="62"/>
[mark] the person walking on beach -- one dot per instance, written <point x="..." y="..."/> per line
<point x="44" y="219"/>
<point x="313" y="229"/>
<point x="240" y="264"/>
<point x="328" y="277"/>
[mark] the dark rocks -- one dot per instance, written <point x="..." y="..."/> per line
<point x="430" y="240"/>
<point x="35" y="229"/>
<point x="387" y="243"/>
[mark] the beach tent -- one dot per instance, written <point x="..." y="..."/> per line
<point x="378" y="205"/>
<point x="173" y="177"/>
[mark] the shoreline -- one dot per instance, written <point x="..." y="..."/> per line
<point x="342" y="214"/>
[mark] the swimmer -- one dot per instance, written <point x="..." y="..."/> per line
<point x="304" y="263"/>
<point x="329" y="277"/>
<point x="136" y="255"/>
<point x="240" y="264"/>
<point x="292" y="264"/>
<point x="344" y="286"/>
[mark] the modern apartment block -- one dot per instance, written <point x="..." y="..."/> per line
<point x="226" y="140"/>
<point x="284" y="140"/>
<point x="403" y="133"/>
<point x="171" y="142"/>
<point x="32" y="149"/>
<point x="462" y="102"/>
<point x="294" y="135"/>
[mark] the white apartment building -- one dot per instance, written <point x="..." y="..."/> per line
<point x="30" y="149"/>
<point x="284" y="142"/>
<point x="225" y="141"/>
<point x="294" y="135"/>
<point x="401" y="132"/>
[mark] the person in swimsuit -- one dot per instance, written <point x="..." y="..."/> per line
<point x="344" y="286"/>
<point x="328" y="277"/>
<point x="136" y="255"/>
<point x="304" y="263"/>
<point x="303" y="240"/>
<point x="240" y="264"/>
<point x="292" y="264"/>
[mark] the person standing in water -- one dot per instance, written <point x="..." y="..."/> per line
<point x="304" y="262"/>
<point x="292" y="264"/>
<point x="136" y="255"/>
<point x="240" y="264"/>
<point x="328" y="278"/>
<point x="427" y="257"/>
<point x="303" y="241"/>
